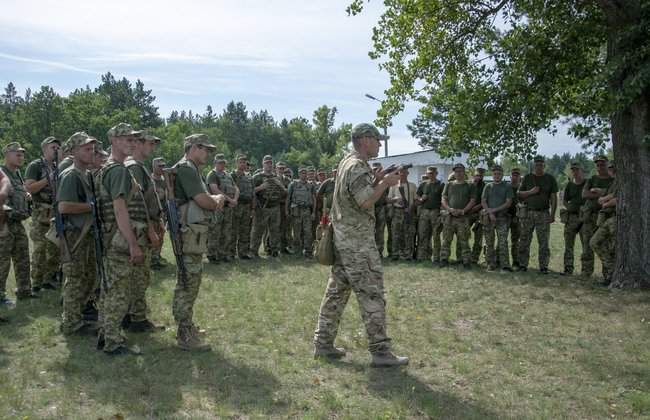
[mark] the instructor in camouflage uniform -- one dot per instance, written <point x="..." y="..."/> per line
<point x="357" y="265"/>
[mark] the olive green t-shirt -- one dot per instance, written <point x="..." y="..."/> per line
<point x="118" y="182"/>
<point x="433" y="191"/>
<point x="496" y="194"/>
<point x="547" y="186"/>
<point x="36" y="171"/>
<point x="189" y="182"/>
<point x="74" y="187"/>
<point x="65" y="163"/>
<point x="573" y="196"/>
<point x="458" y="194"/>
<point x="596" y="182"/>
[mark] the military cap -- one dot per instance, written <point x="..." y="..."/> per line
<point x="151" y="137"/>
<point x="288" y="171"/>
<point x="50" y="140"/>
<point x="365" y="129"/>
<point x="497" y="168"/>
<point x="515" y="171"/>
<point x="374" y="165"/>
<point x="575" y="165"/>
<point x="65" y="147"/>
<point x="432" y="169"/>
<point x="280" y="163"/>
<point x="267" y="158"/>
<point x="99" y="149"/>
<point x="479" y="171"/>
<point x="242" y="157"/>
<point x="13" y="147"/>
<point x="321" y="170"/>
<point x="600" y="157"/>
<point x="311" y="169"/>
<point x="80" y="138"/>
<point x="458" y="166"/>
<point x="123" y="130"/>
<point x="159" y="161"/>
<point x="302" y="169"/>
<point x="539" y="158"/>
<point x="200" y="140"/>
<point x="219" y="158"/>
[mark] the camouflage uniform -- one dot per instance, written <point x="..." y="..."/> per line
<point x="573" y="226"/>
<point x="475" y="225"/>
<point x="429" y="224"/>
<point x="301" y="204"/>
<point x="603" y="241"/>
<point x="80" y="274"/>
<point x="515" y="227"/>
<point x="14" y="245"/>
<point x="357" y="265"/>
<point x="403" y="220"/>
<point x="286" y="228"/>
<point x="267" y="213"/>
<point x="159" y="185"/>
<point x="242" y="215"/>
<point x="590" y="211"/>
<point x="220" y="236"/>
<point x="381" y="209"/>
<point x="496" y="194"/>
<point x="458" y="195"/>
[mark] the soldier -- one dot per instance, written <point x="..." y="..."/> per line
<point x="285" y="218"/>
<point x="14" y="245"/>
<point x="39" y="179"/>
<point x="475" y="225"/>
<point x="573" y="225"/>
<point x="429" y="195"/>
<point x="66" y="157"/>
<point x="242" y="213"/>
<point x="73" y="197"/>
<point x="538" y="192"/>
<point x="220" y="236"/>
<point x="496" y="200"/>
<point x="357" y="265"/>
<point x="124" y="220"/>
<point x="194" y="202"/>
<point x="515" y="227"/>
<point x="5" y="191"/>
<point x="136" y="320"/>
<point x="300" y="205"/>
<point x="594" y="188"/>
<point x="603" y="242"/>
<point x="402" y="197"/>
<point x="325" y="192"/>
<point x="269" y="193"/>
<point x="157" y="175"/>
<point x="381" y="208"/>
<point x="458" y="198"/>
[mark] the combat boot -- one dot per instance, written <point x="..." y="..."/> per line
<point x="189" y="341"/>
<point x="329" y="352"/>
<point x="388" y="359"/>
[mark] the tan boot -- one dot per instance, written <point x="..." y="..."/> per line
<point x="388" y="359"/>
<point x="188" y="341"/>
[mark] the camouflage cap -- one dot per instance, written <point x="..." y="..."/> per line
<point x="432" y="169"/>
<point x="50" y="140"/>
<point x="151" y="137"/>
<point x="242" y="157"/>
<point x="159" y="161"/>
<point x="267" y="158"/>
<point x="302" y="169"/>
<point x="122" y="130"/>
<point x="288" y="171"/>
<point x="458" y="166"/>
<point x="539" y="158"/>
<point x="600" y="158"/>
<point x="13" y="147"/>
<point x="65" y="147"/>
<point x="281" y="164"/>
<point x="496" y="168"/>
<point x="575" y="165"/>
<point x="515" y="171"/>
<point x="365" y="129"/>
<point x="219" y="158"/>
<point x="479" y="171"/>
<point x="321" y="170"/>
<point x="199" y="140"/>
<point x="80" y="138"/>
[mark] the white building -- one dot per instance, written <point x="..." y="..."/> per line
<point x="420" y="161"/>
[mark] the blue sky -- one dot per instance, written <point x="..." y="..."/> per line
<point x="288" y="57"/>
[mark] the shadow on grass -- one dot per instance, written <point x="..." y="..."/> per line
<point x="165" y="381"/>
<point x="25" y="313"/>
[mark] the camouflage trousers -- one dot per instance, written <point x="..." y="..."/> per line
<point x="429" y="226"/>
<point x="458" y="226"/>
<point x="515" y="234"/>
<point x="45" y="255"/>
<point x="389" y="228"/>
<point x="498" y="231"/>
<point x="477" y="230"/>
<point x="301" y="221"/>
<point x="403" y="234"/>
<point x="267" y="218"/>
<point x="572" y="228"/>
<point x="603" y="242"/>
<point x="362" y="273"/>
<point x="285" y="229"/>
<point x="140" y="284"/>
<point x="380" y="229"/>
<point x="536" y="221"/>
<point x="116" y="297"/>
<point x="14" y="247"/>
<point x="187" y="290"/>
<point x="241" y="229"/>
<point x="220" y="234"/>
<point x="589" y="228"/>
<point x="79" y="285"/>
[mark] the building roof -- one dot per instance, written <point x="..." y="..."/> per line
<point x="423" y="157"/>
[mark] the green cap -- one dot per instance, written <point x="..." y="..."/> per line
<point x="497" y="168"/>
<point x="458" y="166"/>
<point x="219" y="158"/>
<point x="365" y="129"/>
<point x="123" y="130"/>
<point x="515" y="171"/>
<point x="79" y="138"/>
<point x="50" y="140"/>
<point x="242" y="157"/>
<point x="151" y="137"/>
<point x="13" y="147"/>
<point x="200" y="140"/>
<point x="539" y="158"/>
<point x="600" y="157"/>
<point x="267" y="158"/>
<point x="432" y="169"/>
<point x="280" y="164"/>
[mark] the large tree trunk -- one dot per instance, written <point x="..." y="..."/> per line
<point x="631" y="140"/>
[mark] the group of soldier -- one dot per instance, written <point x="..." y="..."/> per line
<point x="98" y="220"/>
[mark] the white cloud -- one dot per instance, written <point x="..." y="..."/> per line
<point x="47" y="63"/>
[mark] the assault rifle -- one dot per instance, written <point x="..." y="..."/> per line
<point x="97" y="234"/>
<point x="53" y="182"/>
<point x="392" y="168"/>
<point x="173" y="222"/>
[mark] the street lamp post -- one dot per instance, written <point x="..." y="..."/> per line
<point x="369" y="96"/>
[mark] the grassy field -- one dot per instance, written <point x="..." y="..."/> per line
<point x="482" y="345"/>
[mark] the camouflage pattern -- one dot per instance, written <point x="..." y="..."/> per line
<point x="403" y="229"/>
<point x="536" y="220"/>
<point x="515" y="235"/>
<point x="220" y="234"/>
<point x="286" y="223"/>
<point x="380" y="228"/>
<point x="301" y="218"/>
<point x="115" y="297"/>
<point x="389" y="228"/>
<point x="122" y="130"/>
<point x="572" y="228"/>
<point x="14" y="247"/>
<point x="500" y="231"/>
<point x="241" y="229"/>
<point x="159" y="185"/>
<point x="602" y="242"/>
<point x="477" y="231"/>
<point x="458" y="226"/>
<point x="45" y="255"/>
<point x="357" y="265"/>
<point x="590" y="217"/>
<point x="266" y="218"/>
<point x="80" y="283"/>
<point x="429" y="227"/>
<point x="187" y="290"/>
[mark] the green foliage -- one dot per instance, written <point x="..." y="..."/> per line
<point x="489" y="75"/>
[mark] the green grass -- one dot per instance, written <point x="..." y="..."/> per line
<point x="482" y="345"/>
